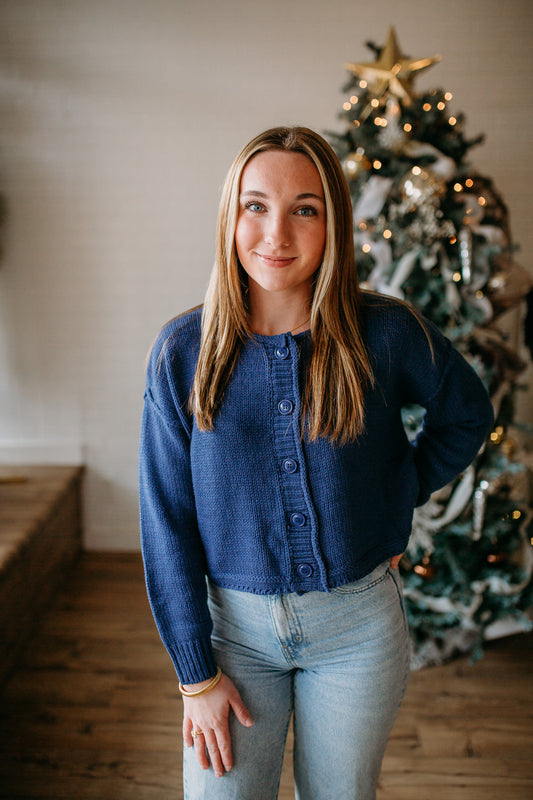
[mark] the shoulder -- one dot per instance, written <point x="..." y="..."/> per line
<point x="392" y="321"/>
<point x="178" y="333"/>
<point x="174" y="352"/>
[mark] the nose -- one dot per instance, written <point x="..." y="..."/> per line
<point x="277" y="231"/>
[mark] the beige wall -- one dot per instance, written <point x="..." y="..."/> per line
<point x="118" y="121"/>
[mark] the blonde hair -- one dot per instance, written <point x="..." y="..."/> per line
<point x="340" y="369"/>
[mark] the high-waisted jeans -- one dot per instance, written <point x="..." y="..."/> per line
<point x="338" y="661"/>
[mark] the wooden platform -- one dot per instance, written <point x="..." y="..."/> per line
<point x="93" y="712"/>
<point x="40" y="537"/>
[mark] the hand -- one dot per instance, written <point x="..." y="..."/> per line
<point x="395" y="560"/>
<point x="209" y="713"/>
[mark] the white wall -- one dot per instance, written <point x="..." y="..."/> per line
<point x="119" y="119"/>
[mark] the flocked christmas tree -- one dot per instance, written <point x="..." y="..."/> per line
<point x="434" y="232"/>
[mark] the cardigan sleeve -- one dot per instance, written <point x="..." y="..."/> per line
<point x="172" y="550"/>
<point x="458" y="410"/>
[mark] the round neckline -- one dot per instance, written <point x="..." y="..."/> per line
<point x="280" y="336"/>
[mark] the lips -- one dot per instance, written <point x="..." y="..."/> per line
<point x="276" y="261"/>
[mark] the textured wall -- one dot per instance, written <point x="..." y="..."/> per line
<point x="119" y="119"/>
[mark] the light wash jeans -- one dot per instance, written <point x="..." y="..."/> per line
<point x="338" y="661"/>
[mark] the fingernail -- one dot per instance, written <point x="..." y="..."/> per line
<point x="248" y="722"/>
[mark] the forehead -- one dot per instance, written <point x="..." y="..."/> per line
<point x="276" y="169"/>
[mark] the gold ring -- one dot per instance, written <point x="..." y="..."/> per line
<point x="195" y="733"/>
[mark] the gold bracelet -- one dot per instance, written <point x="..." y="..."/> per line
<point x="211" y="685"/>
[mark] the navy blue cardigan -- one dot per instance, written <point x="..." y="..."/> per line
<point x="257" y="508"/>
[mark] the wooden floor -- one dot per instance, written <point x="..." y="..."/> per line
<point x="93" y="712"/>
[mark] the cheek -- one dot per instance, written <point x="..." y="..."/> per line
<point x="245" y="234"/>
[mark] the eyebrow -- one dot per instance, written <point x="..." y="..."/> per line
<point x="303" y="196"/>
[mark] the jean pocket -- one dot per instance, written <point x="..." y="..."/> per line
<point x="367" y="582"/>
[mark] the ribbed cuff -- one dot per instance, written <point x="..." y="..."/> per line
<point x="194" y="660"/>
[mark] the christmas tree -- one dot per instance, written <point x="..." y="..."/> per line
<point x="431" y="230"/>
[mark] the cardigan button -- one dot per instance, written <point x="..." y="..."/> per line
<point x="304" y="570"/>
<point x="298" y="520"/>
<point x="285" y="407"/>
<point x="290" y="465"/>
<point x="281" y="352"/>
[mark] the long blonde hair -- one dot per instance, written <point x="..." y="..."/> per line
<point x="340" y="369"/>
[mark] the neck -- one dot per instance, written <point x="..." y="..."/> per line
<point x="272" y="315"/>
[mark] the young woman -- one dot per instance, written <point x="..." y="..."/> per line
<point x="277" y="485"/>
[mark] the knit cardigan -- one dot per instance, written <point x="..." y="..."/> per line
<point x="258" y="508"/>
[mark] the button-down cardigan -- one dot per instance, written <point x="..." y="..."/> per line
<point x="258" y="508"/>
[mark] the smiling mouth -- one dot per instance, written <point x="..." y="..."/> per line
<point x="276" y="261"/>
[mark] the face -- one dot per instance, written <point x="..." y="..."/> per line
<point x="281" y="226"/>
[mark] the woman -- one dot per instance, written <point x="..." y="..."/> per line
<point x="278" y="485"/>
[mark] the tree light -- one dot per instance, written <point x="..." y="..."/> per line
<point x="347" y="106"/>
<point x="366" y="248"/>
<point x="377" y="164"/>
<point x="456" y="277"/>
<point x="452" y="121"/>
<point x="354" y="99"/>
<point x="408" y="127"/>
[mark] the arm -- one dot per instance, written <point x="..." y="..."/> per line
<point x="175" y="565"/>
<point x="458" y="414"/>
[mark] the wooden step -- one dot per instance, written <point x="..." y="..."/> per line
<point x="40" y="538"/>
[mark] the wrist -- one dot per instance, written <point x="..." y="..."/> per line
<point x="195" y="689"/>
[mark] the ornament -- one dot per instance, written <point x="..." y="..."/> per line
<point x="478" y="508"/>
<point x="509" y="283"/>
<point x="392" y="71"/>
<point x="465" y="254"/>
<point x="420" y="187"/>
<point x="355" y="163"/>
<point x="425" y="569"/>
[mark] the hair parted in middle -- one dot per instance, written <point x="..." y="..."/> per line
<point x="340" y="368"/>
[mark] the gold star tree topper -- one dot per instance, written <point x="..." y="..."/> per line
<point x="392" y="71"/>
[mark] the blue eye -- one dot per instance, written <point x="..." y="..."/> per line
<point x="307" y="211"/>
<point x="254" y="206"/>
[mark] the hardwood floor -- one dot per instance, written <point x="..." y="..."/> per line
<point x="93" y="711"/>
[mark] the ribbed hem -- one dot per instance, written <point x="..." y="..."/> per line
<point x="194" y="660"/>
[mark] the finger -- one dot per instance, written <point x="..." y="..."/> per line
<point x="241" y="712"/>
<point x="214" y="753"/>
<point x="199" y="748"/>
<point x="187" y="728"/>
<point x="395" y="560"/>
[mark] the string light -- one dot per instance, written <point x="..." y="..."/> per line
<point x="448" y="96"/>
<point x="363" y="84"/>
<point x="458" y="187"/>
<point x="497" y="434"/>
<point x="408" y="127"/>
<point x="347" y="106"/>
<point x="354" y="99"/>
<point x="479" y="294"/>
<point x="362" y="226"/>
<point x="456" y="277"/>
<point x="441" y="106"/>
<point x="366" y="248"/>
<point x="387" y="233"/>
<point x="427" y="106"/>
<point x="377" y="164"/>
<point x="469" y="182"/>
<point x="374" y="102"/>
<point x="416" y="170"/>
<point x="482" y="201"/>
<point x="517" y="514"/>
<point x="452" y="121"/>
<point x="453" y="239"/>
